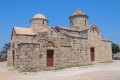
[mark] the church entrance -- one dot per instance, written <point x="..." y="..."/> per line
<point x="13" y="55"/>
<point x="92" y="56"/>
<point x="50" y="54"/>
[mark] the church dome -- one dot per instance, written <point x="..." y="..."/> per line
<point x="78" y="12"/>
<point x="39" y="16"/>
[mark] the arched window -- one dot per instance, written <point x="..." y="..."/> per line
<point x="95" y="29"/>
<point x="50" y="44"/>
<point x="43" y="22"/>
<point x="13" y="46"/>
<point x="51" y="32"/>
<point x="85" y="22"/>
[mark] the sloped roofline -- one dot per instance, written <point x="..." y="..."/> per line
<point x="15" y="28"/>
<point x="78" y="12"/>
<point x="55" y="30"/>
<point x="64" y="28"/>
<point x="12" y="33"/>
<point x="95" y="26"/>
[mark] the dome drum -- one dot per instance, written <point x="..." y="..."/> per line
<point x="39" y="22"/>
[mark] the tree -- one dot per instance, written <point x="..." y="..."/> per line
<point x="115" y="50"/>
<point x="5" y="49"/>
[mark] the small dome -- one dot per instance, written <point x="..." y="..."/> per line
<point x="39" y="16"/>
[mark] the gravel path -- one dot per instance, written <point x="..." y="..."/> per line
<point x="100" y="71"/>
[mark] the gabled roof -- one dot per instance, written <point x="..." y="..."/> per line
<point x="103" y="39"/>
<point x="43" y="30"/>
<point x="55" y="30"/>
<point x="96" y="27"/>
<point x="24" y="31"/>
<point x="69" y="29"/>
<point x="76" y="35"/>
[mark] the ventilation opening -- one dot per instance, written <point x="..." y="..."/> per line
<point x="85" y="22"/>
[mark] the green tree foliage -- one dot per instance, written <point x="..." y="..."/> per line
<point x="115" y="48"/>
<point x="5" y="48"/>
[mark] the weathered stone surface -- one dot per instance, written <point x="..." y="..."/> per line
<point x="71" y="47"/>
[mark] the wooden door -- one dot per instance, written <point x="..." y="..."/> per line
<point x="50" y="58"/>
<point x="13" y="55"/>
<point x="92" y="54"/>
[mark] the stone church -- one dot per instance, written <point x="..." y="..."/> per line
<point x="45" y="47"/>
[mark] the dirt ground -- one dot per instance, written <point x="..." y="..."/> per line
<point x="99" y="71"/>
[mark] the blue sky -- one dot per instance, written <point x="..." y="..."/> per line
<point x="104" y="13"/>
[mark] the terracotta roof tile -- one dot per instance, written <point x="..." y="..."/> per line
<point x="24" y="31"/>
<point x="78" y="12"/>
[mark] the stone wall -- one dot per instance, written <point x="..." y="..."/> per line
<point x="66" y="56"/>
<point x="38" y="24"/>
<point x="79" y="23"/>
<point x="106" y="51"/>
<point x="102" y="47"/>
<point x="9" y="58"/>
<point x="27" y="56"/>
<point x="71" y="48"/>
<point x="80" y="51"/>
<point x="94" y="42"/>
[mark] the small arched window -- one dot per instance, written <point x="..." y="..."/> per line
<point x="13" y="46"/>
<point x="50" y="44"/>
<point x="51" y="32"/>
<point x="43" y="22"/>
<point x="85" y="22"/>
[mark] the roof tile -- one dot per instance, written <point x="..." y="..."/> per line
<point x="78" y="12"/>
<point x="24" y="31"/>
